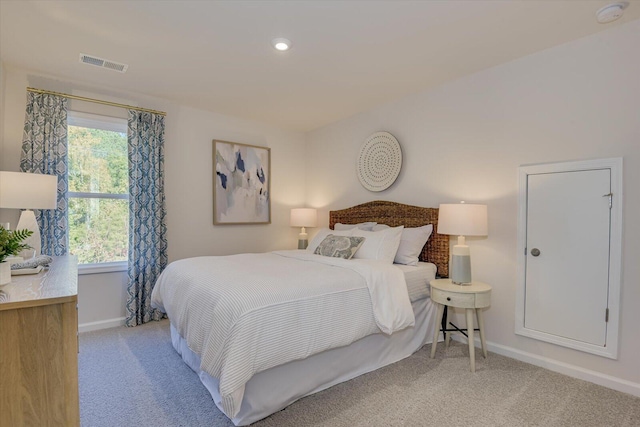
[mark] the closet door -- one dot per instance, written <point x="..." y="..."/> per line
<point x="569" y="238"/>
<point x="567" y="262"/>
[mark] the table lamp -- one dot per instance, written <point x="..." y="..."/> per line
<point x="303" y="217"/>
<point x="22" y="190"/>
<point x="462" y="219"/>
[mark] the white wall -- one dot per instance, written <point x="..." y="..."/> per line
<point x="2" y="91"/>
<point x="188" y="180"/>
<point x="465" y="141"/>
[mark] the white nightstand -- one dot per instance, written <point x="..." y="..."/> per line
<point x="473" y="298"/>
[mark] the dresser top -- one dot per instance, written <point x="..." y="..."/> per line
<point x="56" y="284"/>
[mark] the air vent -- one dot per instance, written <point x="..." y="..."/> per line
<point x="104" y="63"/>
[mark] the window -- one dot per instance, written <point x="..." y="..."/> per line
<point x="98" y="190"/>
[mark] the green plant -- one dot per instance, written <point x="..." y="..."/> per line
<point x="10" y="242"/>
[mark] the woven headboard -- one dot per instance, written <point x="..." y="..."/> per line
<point x="394" y="214"/>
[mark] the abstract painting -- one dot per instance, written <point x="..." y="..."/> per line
<point x="241" y="183"/>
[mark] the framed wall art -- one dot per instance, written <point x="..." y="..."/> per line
<point x="241" y="183"/>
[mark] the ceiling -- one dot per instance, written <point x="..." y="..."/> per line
<point x="347" y="56"/>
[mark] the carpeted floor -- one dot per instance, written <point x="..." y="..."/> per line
<point x="133" y="376"/>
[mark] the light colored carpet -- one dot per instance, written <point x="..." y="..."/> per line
<point x="133" y="376"/>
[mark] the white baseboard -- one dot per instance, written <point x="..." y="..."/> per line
<point x="608" y="381"/>
<point x="101" y="324"/>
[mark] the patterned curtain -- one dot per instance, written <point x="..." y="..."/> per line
<point x="44" y="150"/>
<point x="147" y="228"/>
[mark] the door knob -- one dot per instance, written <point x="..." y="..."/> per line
<point x="535" y="251"/>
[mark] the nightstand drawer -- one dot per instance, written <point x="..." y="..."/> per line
<point x="453" y="299"/>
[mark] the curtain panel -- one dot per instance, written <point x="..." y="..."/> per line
<point x="44" y="150"/>
<point x="147" y="228"/>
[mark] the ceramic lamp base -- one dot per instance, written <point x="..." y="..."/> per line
<point x="460" y="264"/>
<point x="460" y="269"/>
<point x="302" y="239"/>
<point x="28" y="221"/>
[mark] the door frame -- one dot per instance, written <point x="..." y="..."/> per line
<point x="610" y="348"/>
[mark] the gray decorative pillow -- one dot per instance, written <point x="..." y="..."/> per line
<point x="339" y="246"/>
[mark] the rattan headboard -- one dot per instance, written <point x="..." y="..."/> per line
<point x="395" y="214"/>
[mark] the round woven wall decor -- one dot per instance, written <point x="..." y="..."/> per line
<point x="379" y="161"/>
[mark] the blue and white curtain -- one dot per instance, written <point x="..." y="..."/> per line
<point x="147" y="228"/>
<point x="44" y="150"/>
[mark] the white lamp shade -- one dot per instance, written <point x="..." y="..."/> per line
<point x="463" y="219"/>
<point x="21" y="190"/>
<point x="304" y="217"/>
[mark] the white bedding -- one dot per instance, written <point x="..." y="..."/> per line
<point x="243" y="314"/>
<point x="418" y="278"/>
<point x="271" y="390"/>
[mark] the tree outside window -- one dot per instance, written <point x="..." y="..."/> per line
<point x="98" y="188"/>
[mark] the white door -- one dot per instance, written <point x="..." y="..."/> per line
<point x="567" y="254"/>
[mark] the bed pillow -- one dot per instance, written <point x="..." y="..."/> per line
<point x="339" y="246"/>
<point x="362" y="226"/>
<point x="321" y="234"/>
<point x="380" y="245"/>
<point x="411" y="243"/>
<point x="379" y="227"/>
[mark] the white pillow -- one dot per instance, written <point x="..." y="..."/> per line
<point x="381" y="245"/>
<point x="362" y="226"/>
<point x="321" y="234"/>
<point x="411" y="244"/>
<point x="379" y="227"/>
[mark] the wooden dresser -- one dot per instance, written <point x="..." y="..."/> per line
<point x="39" y="347"/>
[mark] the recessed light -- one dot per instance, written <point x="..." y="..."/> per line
<point x="611" y="12"/>
<point x="281" y="44"/>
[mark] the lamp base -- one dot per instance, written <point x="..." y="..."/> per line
<point x="28" y="221"/>
<point x="302" y="239"/>
<point x="461" y="269"/>
<point x="460" y="263"/>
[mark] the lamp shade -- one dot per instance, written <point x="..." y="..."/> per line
<point x="463" y="219"/>
<point x="304" y="217"/>
<point x="22" y="190"/>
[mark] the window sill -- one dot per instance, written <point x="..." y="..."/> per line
<point x="103" y="267"/>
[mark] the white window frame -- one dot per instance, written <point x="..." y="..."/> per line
<point x="114" y="124"/>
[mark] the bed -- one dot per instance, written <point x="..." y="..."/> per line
<point x="261" y="338"/>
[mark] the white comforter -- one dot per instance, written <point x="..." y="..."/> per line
<point x="243" y="314"/>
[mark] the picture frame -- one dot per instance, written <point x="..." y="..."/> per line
<point x="241" y="183"/>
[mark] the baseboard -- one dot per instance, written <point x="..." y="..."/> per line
<point x="101" y="324"/>
<point x="604" y="380"/>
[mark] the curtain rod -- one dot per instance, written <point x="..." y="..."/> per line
<point x="96" y="101"/>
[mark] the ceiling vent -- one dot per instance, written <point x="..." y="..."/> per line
<point x="103" y="63"/>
